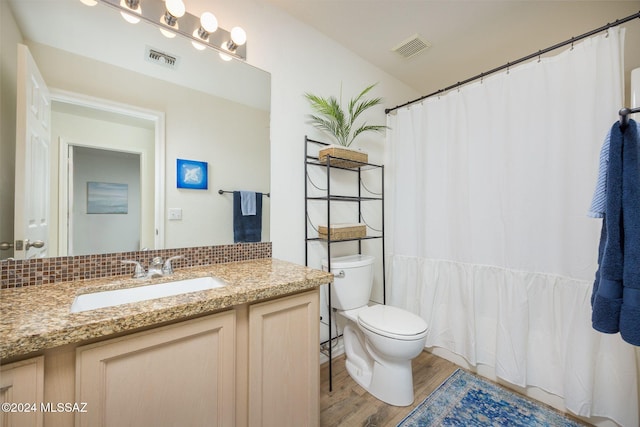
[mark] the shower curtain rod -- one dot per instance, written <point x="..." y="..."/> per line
<point x="524" y="58"/>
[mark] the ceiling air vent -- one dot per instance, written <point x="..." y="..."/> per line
<point x="161" y="58"/>
<point x="412" y="46"/>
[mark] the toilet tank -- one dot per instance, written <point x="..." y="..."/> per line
<point x="353" y="280"/>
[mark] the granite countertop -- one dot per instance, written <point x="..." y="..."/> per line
<point x="36" y="318"/>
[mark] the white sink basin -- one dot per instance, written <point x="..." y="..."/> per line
<point x="91" y="301"/>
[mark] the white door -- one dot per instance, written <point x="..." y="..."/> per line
<point x="33" y="136"/>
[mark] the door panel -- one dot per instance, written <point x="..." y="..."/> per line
<point x="33" y="140"/>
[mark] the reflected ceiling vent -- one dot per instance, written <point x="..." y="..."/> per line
<point x="412" y="46"/>
<point x="161" y="58"/>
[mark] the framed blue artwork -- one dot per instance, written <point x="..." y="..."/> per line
<point x="192" y="174"/>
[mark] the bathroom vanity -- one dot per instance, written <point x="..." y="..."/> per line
<point x="242" y="354"/>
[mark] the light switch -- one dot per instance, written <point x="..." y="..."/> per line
<point x="175" y="214"/>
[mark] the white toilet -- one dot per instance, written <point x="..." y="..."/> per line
<point x="379" y="341"/>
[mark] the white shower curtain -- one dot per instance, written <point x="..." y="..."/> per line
<point x="489" y="238"/>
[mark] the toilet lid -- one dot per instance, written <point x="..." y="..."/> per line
<point x="391" y="321"/>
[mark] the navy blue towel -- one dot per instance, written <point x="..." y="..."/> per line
<point x="246" y="228"/>
<point x="630" y="311"/>
<point x="616" y="291"/>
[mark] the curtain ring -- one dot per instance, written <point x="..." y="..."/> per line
<point x="539" y="56"/>
<point x="606" y="36"/>
<point x="572" y="41"/>
<point x="508" y="65"/>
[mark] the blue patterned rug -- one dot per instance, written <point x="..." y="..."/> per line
<point x="467" y="400"/>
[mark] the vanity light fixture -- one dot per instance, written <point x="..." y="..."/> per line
<point x="208" y="25"/>
<point x="130" y="6"/>
<point x="203" y="32"/>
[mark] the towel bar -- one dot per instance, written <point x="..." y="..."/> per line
<point x="225" y="191"/>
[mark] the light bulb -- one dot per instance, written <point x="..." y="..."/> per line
<point x="238" y="36"/>
<point x="130" y="18"/>
<point x="89" y="2"/>
<point x="175" y="8"/>
<point x="209" y="22"/>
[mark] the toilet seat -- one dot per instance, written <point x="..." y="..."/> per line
<point x="392" y="322"/>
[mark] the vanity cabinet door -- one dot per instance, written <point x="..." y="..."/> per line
<point x="176" y="375"/>
<point x="22" y="392"/>
<point x="284" y="367"/>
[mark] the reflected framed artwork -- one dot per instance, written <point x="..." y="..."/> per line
<point x="192" y="174"/>
<point x="107" y="198"/>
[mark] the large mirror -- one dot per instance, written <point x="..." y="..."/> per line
<point x="129" y="108"/>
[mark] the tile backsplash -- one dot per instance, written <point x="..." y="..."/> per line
<point x="33" y="272"/>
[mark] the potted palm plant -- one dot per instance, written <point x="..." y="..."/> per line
<point x="330" y="117"/>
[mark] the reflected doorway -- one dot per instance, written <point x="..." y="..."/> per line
<point x="104" y="201"/>
<point x="109" y="168"/>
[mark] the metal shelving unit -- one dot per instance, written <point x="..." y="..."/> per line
<point x="330" y="198"/>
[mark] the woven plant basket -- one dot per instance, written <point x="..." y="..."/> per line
<point x="346" y="157"/>
<point x="342" y="231"/>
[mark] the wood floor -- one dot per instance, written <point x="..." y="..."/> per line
<point x="349" y="405"/>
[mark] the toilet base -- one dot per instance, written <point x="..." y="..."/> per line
<point x="391" y="382"/>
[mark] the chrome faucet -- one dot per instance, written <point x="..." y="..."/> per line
<point x="167" y="268"/>
<point x="155" y="269"/>
<point x="139" y="272"/>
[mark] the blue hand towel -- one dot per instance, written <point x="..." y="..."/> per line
<point x="616" y="291"/>
<point x="248" y="202"/>
<point x="599" y="201"/>
<point x="247" y="228"/>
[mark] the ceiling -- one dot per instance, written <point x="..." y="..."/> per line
<point x="466" y="37"/>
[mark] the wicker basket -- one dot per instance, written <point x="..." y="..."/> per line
<point x="346" y="157"/>
<point x="342" y="231"/>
